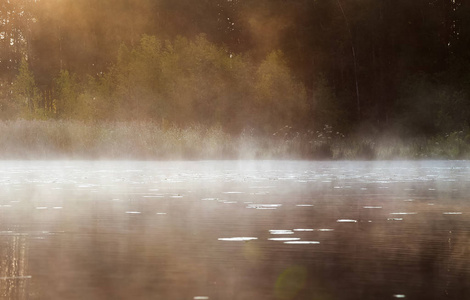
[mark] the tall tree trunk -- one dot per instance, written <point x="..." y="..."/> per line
<point x="353" y="51"/>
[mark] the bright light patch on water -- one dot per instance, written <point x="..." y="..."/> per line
<point x="15" y="277"/>
<point x="302" y="242"/>
<point x="40" y="207"/>
<point x="57" y="207"/>
<point x="395" y="219"/>
<point x="284" y="239"/>
<point x="238" y="239"/>
<point x="201" y="298"/>
<point x="232" y="192"/>
<point x="133" y="212"/>
<point x="153" y="196"/>
<point x="452" y="213"/>
<point x="371" y="207"/>
<point x="399" y="296"/>
<point x="346" y="221"/>
<point x="264" y="206"/>
<point x="303" y="229"/>
<point x="209" y="199"/>
<point x="281" y="231"/>
<point x="304" y="205"/>
<point x="161" y="213"/>
<point x="403" y="213"/>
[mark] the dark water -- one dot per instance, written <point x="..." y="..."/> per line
<point x="235" y="230"/>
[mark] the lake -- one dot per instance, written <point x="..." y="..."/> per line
<point x="234" y="230"/>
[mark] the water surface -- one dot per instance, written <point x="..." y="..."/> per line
<point x="234" y="230"/>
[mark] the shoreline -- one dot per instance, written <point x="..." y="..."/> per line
<point x="148" y="141"/>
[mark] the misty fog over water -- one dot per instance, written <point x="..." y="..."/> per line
<point x="234" y="230"/>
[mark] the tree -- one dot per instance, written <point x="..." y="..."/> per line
<point x="25" y="90"/>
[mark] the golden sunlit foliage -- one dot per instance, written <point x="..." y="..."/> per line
<point x="182" y="82"/>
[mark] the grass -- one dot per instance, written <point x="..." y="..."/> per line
<point x="35" y="139"/>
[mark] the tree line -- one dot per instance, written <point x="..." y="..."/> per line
<point x="263" y="64"/>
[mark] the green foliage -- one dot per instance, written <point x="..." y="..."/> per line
<point x="185" y="82"/>
<point x="428" y="107"/>
<point x="26" y="92"/>
<point x="67" y="93"/>
<point x="325" y="106"/>
<point x="280" y="100"/>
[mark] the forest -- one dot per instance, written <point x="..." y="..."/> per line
<point x="296" y="78"/>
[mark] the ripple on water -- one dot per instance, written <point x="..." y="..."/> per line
<point x="302" y="242"/>
<point x="311" y="229"/>
<point x="238" y="239"/>
<point x="281" y="231"/>
<point x="264" y="206"/>
<point x="346" y="221"/>
<point x="284" y="239"/>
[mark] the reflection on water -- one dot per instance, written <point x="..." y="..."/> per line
<point x="13" y="265"/>
<point x="234" y="230"/>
